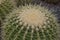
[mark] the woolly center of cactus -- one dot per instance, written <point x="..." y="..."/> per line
<point x="33" y="16"/>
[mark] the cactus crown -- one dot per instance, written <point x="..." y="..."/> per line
<point x="30" y="22"/>
<point x="33" y="15"/>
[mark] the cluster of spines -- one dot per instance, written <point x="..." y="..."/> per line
<point x="5" y="8"/>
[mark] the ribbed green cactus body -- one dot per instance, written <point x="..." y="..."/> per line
<point x="5" y="8"/>
<point x="18" y="27"/>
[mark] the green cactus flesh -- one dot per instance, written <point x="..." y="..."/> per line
<point x="30" y="22"/>
<point x="5" y="8"/>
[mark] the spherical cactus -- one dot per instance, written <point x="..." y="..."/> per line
<point x="30" y="22"/>
<point x="5" y="7"/>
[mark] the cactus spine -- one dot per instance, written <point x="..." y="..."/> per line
<point x="5" y="8"/>
<point x="30" y="22"/>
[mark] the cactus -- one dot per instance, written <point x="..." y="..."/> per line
<point x="5" y="7"/>
<point x="30" y="22"/>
